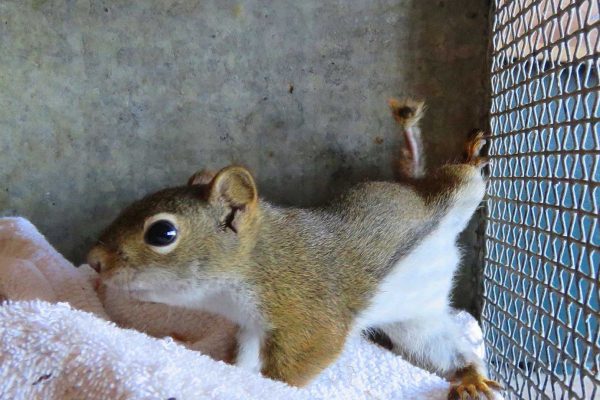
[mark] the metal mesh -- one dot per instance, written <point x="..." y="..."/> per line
<point x="541" y="311"/>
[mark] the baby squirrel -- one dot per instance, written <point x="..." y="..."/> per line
<point x="299" y="281"/>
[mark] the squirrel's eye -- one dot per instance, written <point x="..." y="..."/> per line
<point x="160" y="233"/>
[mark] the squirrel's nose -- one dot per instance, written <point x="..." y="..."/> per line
<point x="97" y="259"/>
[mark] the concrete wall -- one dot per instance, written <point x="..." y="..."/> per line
<point x="104" y="101"/>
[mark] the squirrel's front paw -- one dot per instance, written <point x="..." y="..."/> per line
<point x="473" y="149"/>
<point x="470" y="384"/>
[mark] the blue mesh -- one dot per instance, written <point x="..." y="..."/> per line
<point x="541" y="306"/>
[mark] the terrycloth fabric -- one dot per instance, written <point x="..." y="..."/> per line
<point x="52" y="350"/>
<point x="31" y="268"/>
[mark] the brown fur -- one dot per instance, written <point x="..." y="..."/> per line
<point x="312" y="271"/>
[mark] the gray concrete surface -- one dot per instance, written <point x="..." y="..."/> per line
<point x="104" y="101"/>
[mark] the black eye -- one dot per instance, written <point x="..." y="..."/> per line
<point x="160" y="233"/>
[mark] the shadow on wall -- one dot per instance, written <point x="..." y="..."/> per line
<point x="102" y="102"/>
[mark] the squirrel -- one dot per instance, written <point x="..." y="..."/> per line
<point x="299" y="281"/>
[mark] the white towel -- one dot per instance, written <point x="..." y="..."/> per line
<point x="52" y="350"/>
<point x="31" y="268"/>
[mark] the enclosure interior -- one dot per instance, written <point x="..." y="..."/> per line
<point x="104" y="101"/>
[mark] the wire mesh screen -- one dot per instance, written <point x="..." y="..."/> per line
<point x="542" y="237"/>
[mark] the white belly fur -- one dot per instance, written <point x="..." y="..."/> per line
<point x="419" y="284"/>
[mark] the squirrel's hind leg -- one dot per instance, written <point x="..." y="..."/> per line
<point x="407" y="113"/>
<point x="437" y="344"/>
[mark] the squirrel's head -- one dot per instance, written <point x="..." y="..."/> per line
<point x="177" y="237"/>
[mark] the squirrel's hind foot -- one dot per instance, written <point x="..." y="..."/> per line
<point x="468" y="383"/>
<point x="407" y="112"/>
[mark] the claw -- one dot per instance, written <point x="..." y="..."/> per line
<point x="493" y="384"/>
<point x="473" y="392"/>
<point x="489" y="395"/>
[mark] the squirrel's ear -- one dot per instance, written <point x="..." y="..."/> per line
<point x="202" y="177"/>
<point x="235" y="188"/>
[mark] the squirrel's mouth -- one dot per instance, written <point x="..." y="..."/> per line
<point x="145" y="287"/>
<point x="142" y="294"/>
<point x="132" y="289"/>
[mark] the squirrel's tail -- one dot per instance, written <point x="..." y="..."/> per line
<point x="407" y="113"/>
